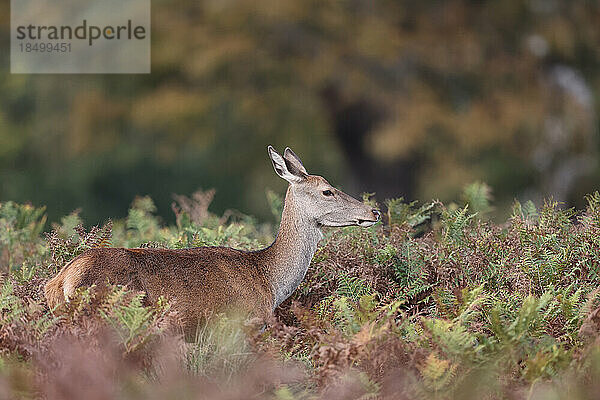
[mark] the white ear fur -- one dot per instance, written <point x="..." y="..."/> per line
<point x="291" y="157"/>
<point x="281" y="168"/>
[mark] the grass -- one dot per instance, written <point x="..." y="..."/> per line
<point x="436" y="302"/>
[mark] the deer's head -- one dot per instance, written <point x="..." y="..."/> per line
<point x="316" y="199"/>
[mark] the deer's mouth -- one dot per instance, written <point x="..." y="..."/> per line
<point x="365" y="222"/>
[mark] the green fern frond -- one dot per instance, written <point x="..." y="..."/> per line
<point x="437" y="374"/>
<point x="455" y="222"/>
<point x="352" y="287"/>
<point x="399" y="212"/>
<point x="478" y="196"/>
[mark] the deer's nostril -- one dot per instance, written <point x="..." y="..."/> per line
<point x="376" y="213"/>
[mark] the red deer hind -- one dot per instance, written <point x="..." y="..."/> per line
<point x="213" y="279"/>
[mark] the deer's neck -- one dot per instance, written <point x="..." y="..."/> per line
<point x="290" y="254"/>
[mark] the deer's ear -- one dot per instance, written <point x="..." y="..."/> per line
<point x="293" y="161"/>
<point x="281" y="168"/>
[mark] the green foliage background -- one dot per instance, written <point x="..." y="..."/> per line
<point x="499" y="91"/>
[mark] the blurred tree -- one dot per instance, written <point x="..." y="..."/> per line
<point x="397" y="97"/>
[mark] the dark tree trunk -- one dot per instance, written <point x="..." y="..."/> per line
<point x="352" y="121"/>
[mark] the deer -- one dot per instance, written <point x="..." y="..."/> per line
<point x="205" y="280"/>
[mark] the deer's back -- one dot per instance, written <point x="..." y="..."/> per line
<point x="197" y="281"/>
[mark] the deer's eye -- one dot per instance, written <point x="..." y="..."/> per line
<point x="327" y="193"/>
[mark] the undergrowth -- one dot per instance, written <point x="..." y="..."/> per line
<point x="436" y="302"/>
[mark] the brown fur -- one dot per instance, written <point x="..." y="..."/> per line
<point x="201" y="279"/>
